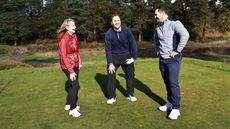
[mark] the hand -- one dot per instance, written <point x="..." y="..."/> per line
<point x="79" y="66"/>
<point x="129" y="61"/>
<point x="73" y="76"/>
<point x="111" y="68"/>
<point x="172" y="53"/>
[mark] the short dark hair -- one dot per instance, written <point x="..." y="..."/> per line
<point x="162" y="8"/>
<point x="114" y="15"/>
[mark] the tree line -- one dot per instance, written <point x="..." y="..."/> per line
<point x="27" y="20"/>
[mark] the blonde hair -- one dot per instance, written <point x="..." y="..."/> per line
<point x="62" y="29"/>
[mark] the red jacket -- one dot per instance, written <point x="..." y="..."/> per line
<point x="69" y="52"/>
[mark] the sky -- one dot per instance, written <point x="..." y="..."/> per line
<point x="172" y="1"/>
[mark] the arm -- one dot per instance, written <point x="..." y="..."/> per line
<point x="78" y="54"/>
<point x="63" y="55"/>
<point x="183" y="33"/>
<point x="79" y="57"/>
<point x="111" y="67"/>
<point x="108" y="49"/>
<point x="132" y="43"/>
<point x="78" y="51"/>
<point x="156" y="42"/>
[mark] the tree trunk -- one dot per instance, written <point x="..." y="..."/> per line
<point x="94" y="33"/>
<point x="140" y="36"/>
<point x="15" y="43"/>
<point x="203" y="30"/>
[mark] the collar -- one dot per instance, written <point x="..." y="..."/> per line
<point x="162" y="23"/>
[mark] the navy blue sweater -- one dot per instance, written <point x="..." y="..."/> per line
<point x="120" y="43"/>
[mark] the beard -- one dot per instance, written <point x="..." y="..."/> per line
<point x="157" y="19"/>
<point x="117" y="27"/>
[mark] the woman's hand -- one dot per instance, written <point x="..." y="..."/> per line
<point x="79" y="66"/>
<point x="73" y="76"/>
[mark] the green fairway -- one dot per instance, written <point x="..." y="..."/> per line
<point x="33" y="98"/>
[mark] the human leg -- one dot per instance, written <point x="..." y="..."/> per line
<point x="72" y="95"/>
<point x="174" y="70"/>
<point x="129" y="76"/>
<point x="165" y="76"/>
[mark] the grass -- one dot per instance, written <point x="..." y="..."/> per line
<point x="6" y="50"/>
<point x="33" y="98"/>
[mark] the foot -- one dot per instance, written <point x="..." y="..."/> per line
<point x="67" y="107"/>
<point x="111" y="101"/>
<point x="174" y="114"/>
<point x="74" y="112"/>
<point x="167" y="106"/>
<point x="132" y="98"/>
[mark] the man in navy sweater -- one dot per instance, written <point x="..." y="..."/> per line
<point x="121" y="50"/>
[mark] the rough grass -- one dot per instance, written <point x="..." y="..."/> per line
<point x="9" y="64"/>
<point x="6" y="50"/>
<point x="33" y="98"/>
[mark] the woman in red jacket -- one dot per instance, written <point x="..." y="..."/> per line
<point x="70" y="62"/>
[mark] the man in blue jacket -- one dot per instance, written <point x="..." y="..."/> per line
<point x="121" y="50"/>
<point x="170" y="39"/>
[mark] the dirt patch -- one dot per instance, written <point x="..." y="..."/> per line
<point x="214" y="51"/>
<point x="220" y="44"/>
<point x="47" y="54"/>
<point x="83" y="51"/>
<point x="92" y="51"/>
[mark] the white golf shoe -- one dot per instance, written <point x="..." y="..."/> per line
<point x="111" y="101"/>
<point x="132" y="98"/>
<point x="74" y="112"/>
<point x="174" y="114"/>
<point x="167" y="106"/>
<point x="67" y="108"/>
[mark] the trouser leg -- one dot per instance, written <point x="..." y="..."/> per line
<point x="72" y="95"/>
<point x="129" y="76"/>
<point x="174" y="70"/>
<point x="67" y="87"/>
<point x="112" y="82"/>
<point x="164" y="73"/>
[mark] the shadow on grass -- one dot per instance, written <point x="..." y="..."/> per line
<point x="145" y="89"/>
<point x="102" y="81"/>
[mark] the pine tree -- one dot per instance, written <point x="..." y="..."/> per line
<point x="15" y="25"/>
<point x="194" y="14"/>
<point x="140" y="17"/>
<point x="221" y="12"/>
